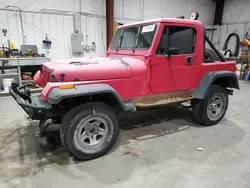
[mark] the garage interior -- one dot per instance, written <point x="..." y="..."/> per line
<point x="160" y="147"/>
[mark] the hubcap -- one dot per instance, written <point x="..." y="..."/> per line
<point x="92" y="131"/>
<point x="215" y="107"/>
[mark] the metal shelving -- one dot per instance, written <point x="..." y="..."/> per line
<point x="27" y="81"/>
<point x="19" y="63"/>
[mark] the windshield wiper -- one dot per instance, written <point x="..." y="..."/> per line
<point x="136" y="39"/>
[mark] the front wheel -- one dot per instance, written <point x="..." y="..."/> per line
<point x="212" y="109"/>
<point x="90" y="130"/>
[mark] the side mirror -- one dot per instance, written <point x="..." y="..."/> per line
<point x="172" y="51"/>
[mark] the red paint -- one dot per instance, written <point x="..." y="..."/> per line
<point x="144" y="73"/>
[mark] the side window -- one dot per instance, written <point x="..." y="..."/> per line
<point x="163" y="43"/>
<point x="181" y="38"/>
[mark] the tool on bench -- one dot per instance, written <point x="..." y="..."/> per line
<point x="30" y="53"/>
<point x="5" y="50"/>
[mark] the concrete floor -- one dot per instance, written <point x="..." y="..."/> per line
<point x="162" y="153"/>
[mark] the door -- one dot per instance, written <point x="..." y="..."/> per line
<point x="172" y="65"/>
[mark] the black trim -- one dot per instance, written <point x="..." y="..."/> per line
<point x="209" y="78"/>
<point x="166" y="51"/>
<point x="118" y="46"/>
<point x="136" y="40"/>
<point x="35" y="108"/>
<point x="204" y="44"/>
<point x="57" y="95"/>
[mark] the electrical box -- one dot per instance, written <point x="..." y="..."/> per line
<point x="77" y="42"/>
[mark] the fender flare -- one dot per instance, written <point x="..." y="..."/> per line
<point x="210" y="77"/>
<point x="57" y="95"/>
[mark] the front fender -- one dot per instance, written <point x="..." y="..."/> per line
<point x="57" y="95"/>
<point x="210" y="77"/>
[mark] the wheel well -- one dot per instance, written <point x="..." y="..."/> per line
<point x="225" y="79"/>
<point x="107" y="98"/>
<point x="226" y="82"/>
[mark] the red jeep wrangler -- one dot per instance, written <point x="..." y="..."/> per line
<point x="148" y="64"/>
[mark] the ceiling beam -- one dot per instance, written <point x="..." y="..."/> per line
<point x="109" y="20"/>
<point x="219" y="6"/>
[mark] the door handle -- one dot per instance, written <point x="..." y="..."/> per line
<point x="189" y="60"/>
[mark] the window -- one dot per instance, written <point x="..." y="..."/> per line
<point x="139" y="37"/>
<point x="116" y="38"/>
<point x="129" y="37"/>
<point x="146" y="36"/>
<point x="181" y="38"/>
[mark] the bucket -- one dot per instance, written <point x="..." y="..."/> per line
<point x="7" y="83"/>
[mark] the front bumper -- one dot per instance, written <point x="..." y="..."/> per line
<point x="34" y="106"/>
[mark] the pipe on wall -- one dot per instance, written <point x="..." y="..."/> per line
<point x="109" y="20"/>
<point x="142" y="9"/>
<point x="60" y="12"/>
<point x="21" y="21"/>
<point x="80" y="17"/>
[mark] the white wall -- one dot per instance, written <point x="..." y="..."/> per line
<point x="235" y="18"/>
<point x="91" y="6"/>
<point x="127" y="11"/>
<point x="147" y="9"/>
<point x="236" y="11"/>
<point x="58" y="27"/>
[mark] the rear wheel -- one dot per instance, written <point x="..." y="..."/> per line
<point x="212" y="109"/>
<point x="89" y="131"/>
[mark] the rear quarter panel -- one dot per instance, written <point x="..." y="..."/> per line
<point x="214" y="66"/>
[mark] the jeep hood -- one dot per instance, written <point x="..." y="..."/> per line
<point x="87" y="68"/>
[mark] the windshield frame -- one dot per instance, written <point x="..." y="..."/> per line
<point x="134" y="48"/>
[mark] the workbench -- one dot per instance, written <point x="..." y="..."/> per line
<point x="13" y="68"/>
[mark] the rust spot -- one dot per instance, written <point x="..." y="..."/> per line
<point x="76" y="79"/>
<point x="124" y="63"/>
<point x="162" y="99"/>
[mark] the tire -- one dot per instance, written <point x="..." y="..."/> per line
<point x="237" y="44"/>
<point x="211" y="56"/>
<point x="90" y="130"/>
<point x="196" y="110"/>
<point x="212" y="109"/>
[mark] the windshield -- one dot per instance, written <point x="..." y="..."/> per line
<point x="138" y="37"/>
